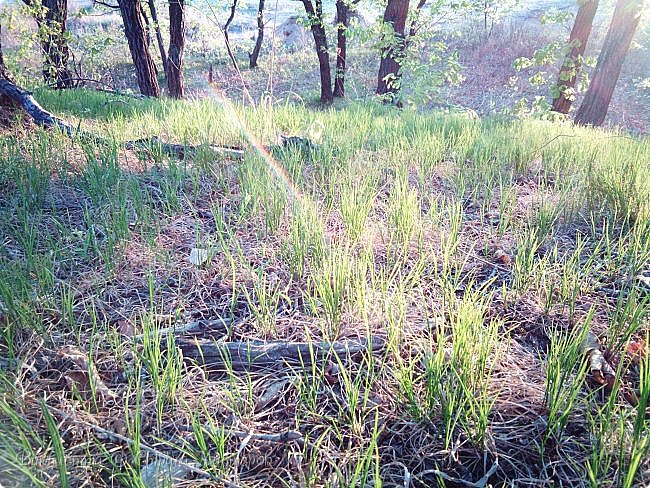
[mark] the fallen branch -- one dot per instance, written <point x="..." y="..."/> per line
<point x="42" y="117"/>
<point x="478" y="484"/>
<point x="245" y="356"/>
<point x="182" y="151"/>
<point x="280" y="438"/>
<point x="196" y="327"/>
<point x="101" y="86"/>
<point x="25" y="100"/>
<point x="115" y="437"/>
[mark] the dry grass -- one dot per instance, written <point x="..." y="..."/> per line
<point x="109" y="261"/>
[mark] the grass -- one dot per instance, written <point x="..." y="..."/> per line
<point x="483" y="251"/>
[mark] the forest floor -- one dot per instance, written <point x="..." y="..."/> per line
<point x="500" y="269"/>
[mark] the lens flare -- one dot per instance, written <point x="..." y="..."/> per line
<point x="274" y="165"/>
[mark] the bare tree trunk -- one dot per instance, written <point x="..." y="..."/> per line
<point x="147" y="27"/>
<point x="342" y="24"/>
<point x="315" y="16"/>
<point x="252" y="57"/>
<point x="55" y="44"/>
<point x="159" y="37"/>
<point x="147" y="30"/>
<point x="7" y="104"/>
<point x="131" y="11"/>
<point x="233" y="7"/>
<point x="174" y="64"/>
<point x="24" y="100"/>
<point x="4" y="72"/>
<point x="626" y="18"/>
<point x="393" y="54"/>
<point x="51" y="22"/>
<point x="571" y="66"/>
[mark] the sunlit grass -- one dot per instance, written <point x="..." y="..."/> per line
<point x="451" y="238"/>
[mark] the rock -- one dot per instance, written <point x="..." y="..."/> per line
<point x="362" y="19"/>
<point x="293" y="35"/>
<point x="198" y="256"/>
<point x="161" y="473"/>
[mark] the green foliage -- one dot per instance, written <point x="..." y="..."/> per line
<point x="549" y="57"/>
<point x="426" y="60"/>
<point x="387" y="230"/>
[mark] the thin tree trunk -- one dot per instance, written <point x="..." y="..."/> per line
<point x="315" y="17"/>
<point x="174" y="64"/>
<point x="413" y="30"/>
<point x="253" y="57"/>
<point x="626" y="18"/>
<point x="131" y="11"/>
<point x="159" y="37"/>
<point x="342" y="24"/>
<point x="147" y="27"/>
<point x="392" y="56"/>
<point x="233" y="7"/>
<point x="147" y="30"/>
<point x="7" y="104"/>
<point x="54" y="43"/>
<point x="571" y="66"/>
<point x="485" y="15"/>
<point x="4" y="72"/>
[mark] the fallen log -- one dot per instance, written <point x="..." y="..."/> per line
<point x="42" y="117"/>
<point x="23" y="99"/>
<point x="196" y="327"/>
<point x="182" y="151"/>
<point x="256" y="355"/>
<point x="26" y="101"/>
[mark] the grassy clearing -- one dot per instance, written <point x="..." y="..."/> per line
<point x="485" y="252"/>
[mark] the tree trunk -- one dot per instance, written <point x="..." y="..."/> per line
<point x="342" y="24"/>
<point x="626" y="18"/>
<point x="4" y="72"/>
<point x="571" y="66"/>
<point x="413" y="30"/>
<point x="147" y="27"/>
<point x="159" y="37"/>
<point x="233" y="7"/>
<point x="252" y="57"/>
<point x="393" y="54"/>
<point x="7" y="105"/>
<point x="174" y="64"/>
<point x="315" y="17"/>
<point x="51" y="22"/>
<point x="26" y="101"/>
<point x="147" y="30"/>
<point x="145" y="70"/>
